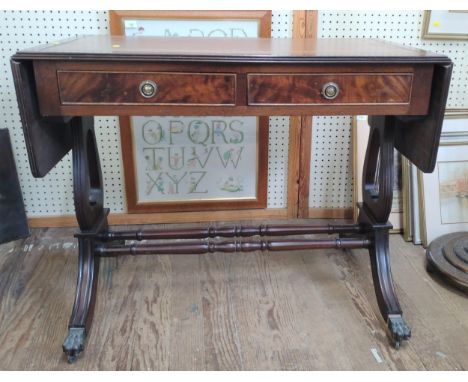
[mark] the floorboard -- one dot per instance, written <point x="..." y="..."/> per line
<point x="304" y="310"/>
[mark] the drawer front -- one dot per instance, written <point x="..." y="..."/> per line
<point x="125" y="88"/>
<point x="307" y="89"/>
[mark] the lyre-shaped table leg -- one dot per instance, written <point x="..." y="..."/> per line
<point x="377" y="190"/>
<point x="92" y="219"/>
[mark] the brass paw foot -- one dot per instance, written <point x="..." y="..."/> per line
<point x="399" y="329"/>
<point x="74" y="343"/>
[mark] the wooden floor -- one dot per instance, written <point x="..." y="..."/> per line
<point x="279" y="311"/>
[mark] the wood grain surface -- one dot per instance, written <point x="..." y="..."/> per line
<point x="307" y="310"/>
<point x="272" y="89"/>
<point x="300" y="129"/>
<point x="305" y="153"/>
<point x="88" y="87"/>
<point x="111" y="87"/>
<point x="230" y="49"/>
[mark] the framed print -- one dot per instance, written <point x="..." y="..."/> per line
<point x="360" y="136"/>
<point x="444" y="193"/>
<point x="407" y="228"/>
<point x="235" y="23"/>
<point x="180" y="164"/>
<point x="195" y="163"/>
<point x="455" y="128"/>
<point x="446" y="25"/>
<point x="415" y="206"/>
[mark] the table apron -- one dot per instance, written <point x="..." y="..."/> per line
<point x="114" y="88"/>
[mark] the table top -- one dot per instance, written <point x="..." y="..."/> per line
<point x="229" y="50"/>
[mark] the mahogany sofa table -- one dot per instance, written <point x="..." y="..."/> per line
<point x="61" y="86"/>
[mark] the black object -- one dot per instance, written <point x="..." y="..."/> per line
<point x="47" y="141"/>
<point x="448" y="257"/>
<point x="13" y="223"/>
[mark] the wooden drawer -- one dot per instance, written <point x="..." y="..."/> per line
<point x="113" y="88"/>
<point x="306" y="89"/>
<point x="123" y="88"/>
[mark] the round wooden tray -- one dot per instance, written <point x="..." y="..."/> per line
<point x="448" y="256"/>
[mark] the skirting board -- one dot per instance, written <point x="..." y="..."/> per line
<point x="330" y="213"/>
<point x="191" y="217"/>
<point x="158" y="218"/>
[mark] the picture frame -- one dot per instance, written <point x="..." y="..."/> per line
<point x="202" y="180"/>
<point x="454" y="134"/>
<point x="194" y="23"/>
<point x="262" y="18"/>
<point x="359" y="138"/>
<point x="445" y="25"/>
<point x="455" y="126"/>
<point x="443" y="194"/>
<point x="415" y="206"/>
<point x="407" y="217"/>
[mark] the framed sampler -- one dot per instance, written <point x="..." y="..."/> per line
<point x="191" y="23"/>
<point x="195" y="163"/>
<point x="181" y="164"/>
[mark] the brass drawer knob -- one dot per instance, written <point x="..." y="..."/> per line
<point x="148" y="88"/>
<point x="330" y="90"/>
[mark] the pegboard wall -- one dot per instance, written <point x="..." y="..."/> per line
<point x="53" y="195"/>
<point x="331" y="175"/>
<point x="331" y="170"/>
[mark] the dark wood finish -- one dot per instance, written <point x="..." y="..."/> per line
<point x="279" y="110"/>
<point x="123" y="88"/>
<point x="13" y="222"/>
<point x="243" y="57"/>
<point x="377" y="174"/>
<point x="260" y="201"/>
<point x="358" y="80"/>
<point x="230" y="231"/>
<point x="418" y="139"/>
<point x="377" y="191"/>
<point x="199" y="247"/>
<point x="447" y="256"/>
<point x="47" y="140"/>
<point x="87" y="177"/>
<point x="378" y="234"/>
<point x="299" y="89"/>
<point x="231" y="50"/>
<point x="92" y="219"/>
<point x="116" y="18"/>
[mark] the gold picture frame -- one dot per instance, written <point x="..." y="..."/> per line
<point x="445" y="25"/>
<point x="407" y="228"/>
